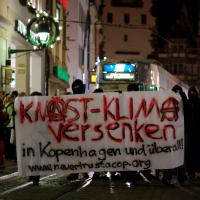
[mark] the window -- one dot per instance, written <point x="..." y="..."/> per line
<point x="58" y="12"/>
<point x="126" y="18"/>
<point x="127" y="3"/>
<point x="143" y="19"/>
<point x="128" y="52"/>
<point x="109" y="17"/>
<point x="175" y="69"/>
<point x="125" y="38"/>
<point x="195" y="69"/>
<point x="181" y="46"/>
<point x="49" y="6"/>
<point x="180" y="70"/>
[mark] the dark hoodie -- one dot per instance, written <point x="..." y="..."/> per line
<point x="78" y="87"/>
<point x="193" y="132"/>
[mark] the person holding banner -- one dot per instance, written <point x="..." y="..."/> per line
<point x="35" y="179"/>
<point x="78" y="88"/>
<point x="193" y="135"/>
<point x="180" y="171"/>
<point x="131" y="177"/>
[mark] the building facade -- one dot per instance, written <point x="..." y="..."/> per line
<point x="29" y="66"/>
<point x="127" y="29"/>
<point x="30" y="70"/>
<point x="4" y="40"/>
<point x="81" y="40"/>
<point x="180" y="52"/>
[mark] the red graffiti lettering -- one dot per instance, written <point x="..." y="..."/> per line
<point x="24" y="112"/>
<point x="83" y="130"/>
<point x="107" y="112"/>
<point x="74" y="112"/>
<point x="56" y="109"/>
<point x="69" y="128"/>
<point x="110" y="127"/>
<point x="85" y="107"/>
<point x="173" y="131"/>
<point x="170" y="109"/>
<point x="143" y="107"/>
<point x="97" y="129"/>
<point x="151" y="129"/>
<point x="38" y="112"/>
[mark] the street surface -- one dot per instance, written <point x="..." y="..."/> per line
<point x="13" y="187"/>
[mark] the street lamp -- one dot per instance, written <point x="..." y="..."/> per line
<point x="43" y="33"/>
<point x="46" y="33"/>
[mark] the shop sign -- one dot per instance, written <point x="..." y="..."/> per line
<point x="20" y="27"/>
<point x="60" y="73"/>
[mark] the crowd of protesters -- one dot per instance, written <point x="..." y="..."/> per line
<point x="7" y="127"/>
<point x="189" y="170"/>
<point x="191" y="166"/>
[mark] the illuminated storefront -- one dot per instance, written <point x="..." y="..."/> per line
<point x="28" y="66"/>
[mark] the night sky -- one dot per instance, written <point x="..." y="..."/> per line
<point x="169" y="15"/>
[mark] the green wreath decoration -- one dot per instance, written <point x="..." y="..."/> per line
<point x="53" y="34"/>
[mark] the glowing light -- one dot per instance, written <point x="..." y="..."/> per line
<point x="45" y="14"/>
<point x="43" y="36"/>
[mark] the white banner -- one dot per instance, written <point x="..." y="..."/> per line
<point x="99" y="132"/>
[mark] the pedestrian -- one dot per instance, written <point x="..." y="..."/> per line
<point x="4" y="120"/>
<point x="2" y="94"/>
<point x="10" y="143"/>
<point x="193" y="133"/>
<point x="22" y="94"/>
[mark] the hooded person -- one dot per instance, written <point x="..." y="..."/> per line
<point x="133" y="87"/>
<point x="78" y="87"/>
<point x="193" y="133"/>
<point x="98" y="90"/>
<point x="193" y="94"/>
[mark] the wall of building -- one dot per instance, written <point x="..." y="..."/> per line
<point x="131" y="40"/>
<point x="58" y="55"/>
<point x="75" y="38"/>
<point x="4" y="38"/>
<point x="33" y="70"/>
<point x="23" y="63"/>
